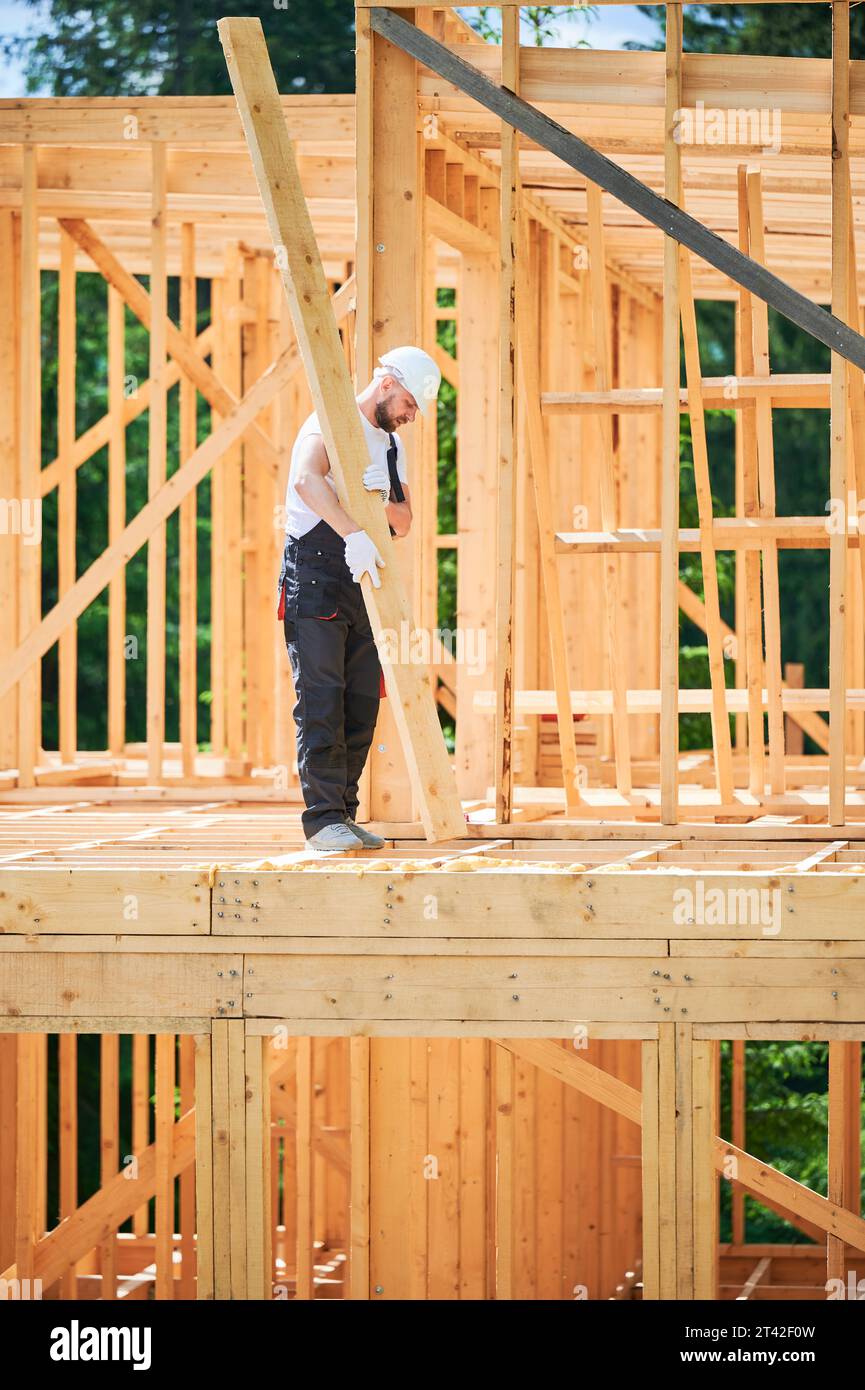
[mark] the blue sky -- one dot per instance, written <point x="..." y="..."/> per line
<point x="611" y="28"/>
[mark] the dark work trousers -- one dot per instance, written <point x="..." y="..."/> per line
<point x="336" y="672"/>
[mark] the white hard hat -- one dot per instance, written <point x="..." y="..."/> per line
<point x="416" y="371"/>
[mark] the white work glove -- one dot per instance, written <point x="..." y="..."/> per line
<point x="377" y="479"/>
<point x="362" y="557"/>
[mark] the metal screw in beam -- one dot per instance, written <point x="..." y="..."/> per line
<point x="219" y="974"/>
<point x="379" y="246"/>
<point x="515" y="996"/>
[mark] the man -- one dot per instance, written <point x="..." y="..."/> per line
<point x="334" y="662"/>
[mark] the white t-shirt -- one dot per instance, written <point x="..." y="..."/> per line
<point x="299" y="518"/>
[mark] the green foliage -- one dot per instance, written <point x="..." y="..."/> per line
<point x="786" y="1125"/>
<point x="540" y="23"/>
<point x="164" y="48"/>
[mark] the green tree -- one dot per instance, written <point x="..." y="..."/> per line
<point x="165" y="48"/>
<point x="782" y="31"/>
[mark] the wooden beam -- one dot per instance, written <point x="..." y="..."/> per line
<point x="721" y="743"/>
<point x="616" y="647"/>
<point x="506" y="493"/>
<point x="766" y="483"/>
<point x="541" y="482"/>
<point x="838" y="468"/>
<point x="669" y="656"/>
<point x="157" y="442"/>
<point x="752" y="601"/>
<point x="30" y="445"/>
<point x="116" y="521"/>
<point x="66" y="500"/>
<point x="188" y="621"/>
<point x="303" y="278"/>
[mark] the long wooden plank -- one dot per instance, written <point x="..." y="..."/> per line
<point x="359" y="1132"/>
<point x="616" y="647"/>
<point x="673" y="221"/>
<point x="68" y="1141"/>
<point x="721" y="744"/>
<point x="669" y="654"/>
<point x="506" y="492"/>
<point x="530" y="388"/>
<point x="116" y="521"/>
<point x="164" y="1176"/>
<point x="304" y="1257"/>
<point x="109" y="1147"/>
<point x="66" y="500"/>
<point x="188" y="526"/>
<point x="750" y="500"/>
<point x="840" y="399"/>
<point x="10" y="367"/>
<point x="157" y="443"/>
<point x="650" y="1173"/>
<point x="584" y="1076"/>
<point x="30" y="445"/>
<point x="203" y="1168"/>
<point x="704" y="1090"/>
<point x="766" y="477"/>
<point x="504" y="1173"/>
<point x="303" y="278"/>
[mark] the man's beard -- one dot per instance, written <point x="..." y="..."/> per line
<point x="384" y="417"/>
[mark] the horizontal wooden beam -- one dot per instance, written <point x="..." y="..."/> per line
<point x="691" y="701"/>
<point x="793" y="391"/>
<point x="728" y="533"/>
<point x="672" y="220"/>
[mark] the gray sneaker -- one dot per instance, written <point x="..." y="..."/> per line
<point x="366" y="837"/>
<point x="335" y="839"/>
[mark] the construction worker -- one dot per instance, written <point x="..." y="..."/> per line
<point x="334" y="661"/>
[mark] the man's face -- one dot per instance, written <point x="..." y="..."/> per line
<point x="395" y="405"/>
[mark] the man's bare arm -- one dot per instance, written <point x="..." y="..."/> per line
<point x="313" y="489"/>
